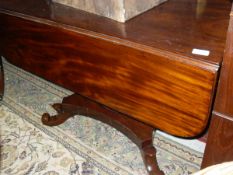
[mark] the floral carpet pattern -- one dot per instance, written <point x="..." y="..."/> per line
<point x="80" y="146"/>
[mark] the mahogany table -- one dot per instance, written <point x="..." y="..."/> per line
<point x="159" y="70"/>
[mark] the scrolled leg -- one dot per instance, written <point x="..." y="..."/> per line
<point x="60" y="118"/>
<point x="149" y="157"/>
<point x="77" y="104"/>
<point x="58" y="107"/>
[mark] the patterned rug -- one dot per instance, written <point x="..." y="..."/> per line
<point x="80" y="146"/>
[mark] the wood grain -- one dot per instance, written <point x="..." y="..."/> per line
<point x="220" y="141"/>
<point x="143" y="68"/>
<point x="164" y="92"/>
<point x="176" y="26"/>
<point x="220" y="137"/>
<point x="224" y="100"/>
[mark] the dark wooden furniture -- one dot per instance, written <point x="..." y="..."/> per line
<point x="137" y="76"/>
<point x="220" y="140"/>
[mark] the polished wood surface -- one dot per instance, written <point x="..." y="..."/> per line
<point x="168" y="94"/>
<point x="220" y="139"/>
<point x="125" y="71"/>
<point x="143" y="69"/>
<point x="77" y="104"/>
<point x="176" y="26"/>
<point x="224" y="100"/>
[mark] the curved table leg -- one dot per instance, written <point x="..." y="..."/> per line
<point x="61" y="117"/>
<point x="149" y="157"/>
<point x="141" y="134"/>
<point x="1" y="80"/>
